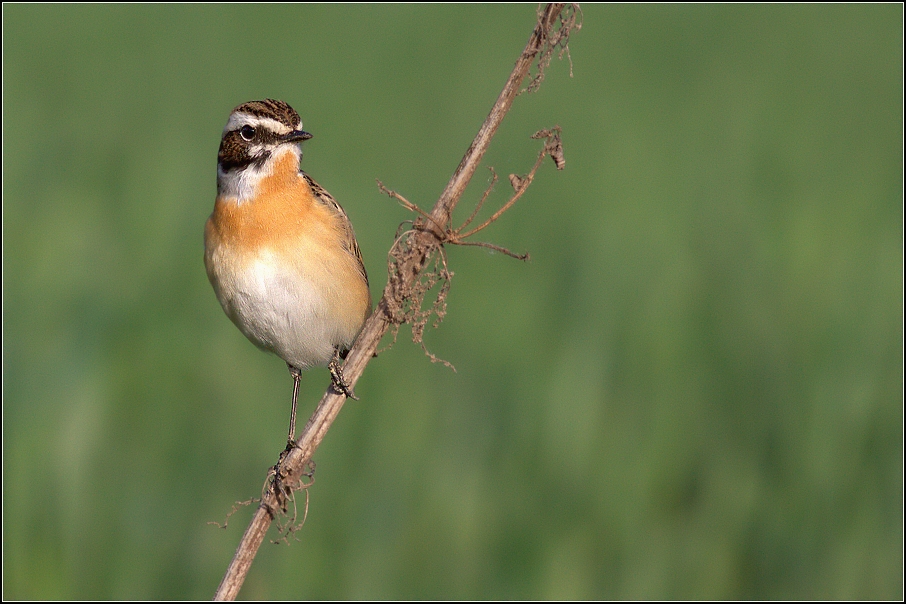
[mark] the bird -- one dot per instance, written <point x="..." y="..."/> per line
<point x="280" y="252"/>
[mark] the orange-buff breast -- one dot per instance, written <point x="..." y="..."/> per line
<point x="281" y="271"/>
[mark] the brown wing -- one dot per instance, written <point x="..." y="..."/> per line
<point x="351" y="244"/>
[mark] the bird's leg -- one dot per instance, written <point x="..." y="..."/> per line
<point x="336" y="376"/>
<point x="297" y="377"/>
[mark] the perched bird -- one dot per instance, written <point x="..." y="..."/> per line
<point x="280" y="251"/>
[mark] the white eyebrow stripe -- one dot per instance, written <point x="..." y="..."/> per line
<point x="238" y="120"/>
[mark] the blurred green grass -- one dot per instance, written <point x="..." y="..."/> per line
<point x="693" y="390"/>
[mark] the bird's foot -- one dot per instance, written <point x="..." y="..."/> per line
<point x="336" y="376"/>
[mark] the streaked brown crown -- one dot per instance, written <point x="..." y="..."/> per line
<point x="276" y="110"/>
<point x="238" y="152"/>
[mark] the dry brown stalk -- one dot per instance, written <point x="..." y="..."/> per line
<point x="409" y="281"/>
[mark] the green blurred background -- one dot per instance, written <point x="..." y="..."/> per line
<point x="693" y="390"/>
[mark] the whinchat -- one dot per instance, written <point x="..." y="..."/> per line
<point x="280" y="251"/>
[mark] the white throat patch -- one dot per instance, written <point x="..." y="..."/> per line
<point x="241" y="184"/>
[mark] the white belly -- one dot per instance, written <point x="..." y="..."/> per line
<point x="280" y="308"/>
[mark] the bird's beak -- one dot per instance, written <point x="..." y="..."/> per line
<point x="296" y="136"/>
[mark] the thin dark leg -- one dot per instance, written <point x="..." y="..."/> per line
<point x="297" y="377"/>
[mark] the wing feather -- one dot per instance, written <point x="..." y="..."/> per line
<point x="349" y="240"/>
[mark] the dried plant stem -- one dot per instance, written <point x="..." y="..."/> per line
<point x="520" y="183"/>
<point x="470" y="161"/>
<point x="428" y="236"/>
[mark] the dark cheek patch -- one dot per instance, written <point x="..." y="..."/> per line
<point x="234" y="152"/>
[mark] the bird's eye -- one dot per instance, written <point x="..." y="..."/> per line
<point x="247" y="132"/>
